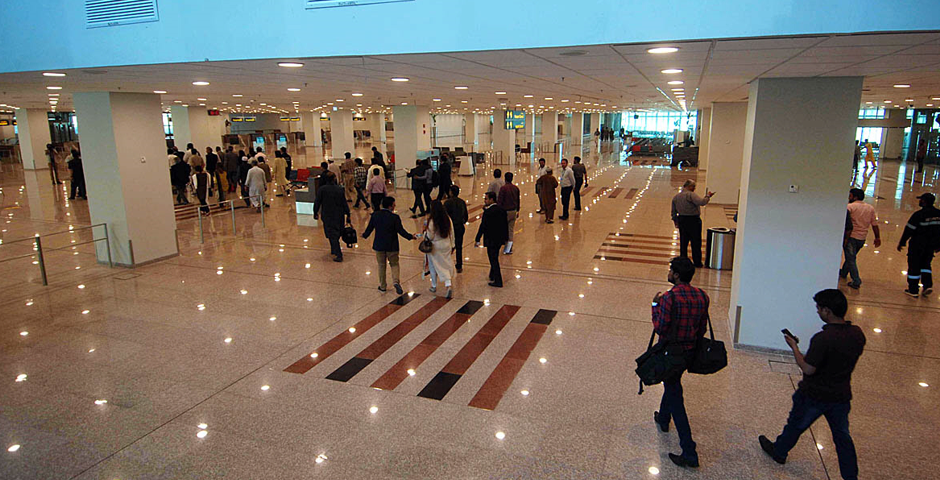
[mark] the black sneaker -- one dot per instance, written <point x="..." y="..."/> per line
<point x="927" y="291"/>
<point x="853" y="285"/>
<point x="383" y="289"/>
<point x="767" y="446"/>
<point x="909" y="293"/>
<point x="663" y="427"/>
<point x="683" y="462"/>
<point x="398" y="289"/>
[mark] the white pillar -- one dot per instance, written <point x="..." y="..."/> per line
<point x="423" y="122"/>
<point x="504" y="140"/>
<point x="312" y="135"/>
<point x="406" y="141"/>
<point x="704" y="122"/>
<point x="550" y="135"/>
<point x="577" y="132"/>
<point x="789" y="245"/>
<point x="377" y="129"/>
<point x="33" y="134"/>
<point x="529" y="131"/>
<point x="341" y="133"/>
<point x="471" y="138"/>
<point x="726" y="151"/>
<point x="595" y="123"/>
<point x="124" y="158"/>
<point x="893" y="135"/>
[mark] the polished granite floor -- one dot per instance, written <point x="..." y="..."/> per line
<point x="252" y="355"/>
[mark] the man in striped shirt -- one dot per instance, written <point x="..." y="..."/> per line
<point x="681" y="316"/>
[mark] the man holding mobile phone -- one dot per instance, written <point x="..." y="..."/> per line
<point x="826" y="386"/>
<point x="687" y="216"/>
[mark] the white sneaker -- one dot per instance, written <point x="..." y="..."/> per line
<point x="433" y="288"/>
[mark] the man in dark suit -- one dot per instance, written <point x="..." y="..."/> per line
<point x="444" y="174"/>
<point x="494" y="229"/>
<point x="331" y="200"/>
<point x="387" y="226"/>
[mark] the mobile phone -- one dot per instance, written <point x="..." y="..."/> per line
<point x="787" y="333"/>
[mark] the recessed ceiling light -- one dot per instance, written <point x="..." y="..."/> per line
<point x="293" y="89"/>
<point x="680" y="89"/>
<point x="887" y="101"/>
<point x="565" y="101"/>
<point x="675" y="82"/>
<point x="51" y="95"/>
<point x="437" y="99"/>
<point x="868" y="103"/>
<point x="200" y="83"/>
<point x="662" y="50"/>
<point x="53" y="74"/>
<point x="902" y="85"/>
<point x="500" y="93"/>
<point x="237" y="95"/>
<point x="160" y="92"/>
<point x="290" y="64"/>
<point x="399" y="79"/>
<point x="549" y="98"/>
<point x="461" y="87"/>
<point x="357" y="94"/>
<point x="201" y="99"/>
<point x="929" y="104"/>
<point x="53" y="88"/>
<point x="404" y="103"/>
<point x="528" y="96"/>
<point x="908" y="99"/>
<point x="672" y="70"/>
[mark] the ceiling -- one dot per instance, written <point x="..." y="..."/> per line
<point x="579" y="78"/>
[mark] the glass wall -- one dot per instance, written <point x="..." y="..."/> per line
<point x="648" y="124"/>
<point x="167" y="125"/>
<point x="872" y="112"/>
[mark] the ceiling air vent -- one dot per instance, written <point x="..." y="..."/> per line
<point x="110" y="13"/>
<point x="314" y="4"/>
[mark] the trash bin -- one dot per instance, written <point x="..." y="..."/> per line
<point x="719" y="248"/>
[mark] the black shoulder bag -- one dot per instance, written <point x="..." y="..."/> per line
<point x="660" y="361"/>
<point x="710" y="354"/>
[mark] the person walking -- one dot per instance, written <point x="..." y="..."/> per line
<point x="331" y="201"/>
<point x="547" y="197"/>
<point x="497" y="182"/>
<point x="921" y="154"/>
<point x="567" y="186"/>
<point x="687" y="216"/>
<point x="232" y="160"/>
<point x="856" y="157"/>
<point x="439" y="231"/>
<point x="376" y="187"/>
<point x="863" y="216"/>
<point x="869" y="154"/>
<point x="201" y="181"/>
<point x="361" y="175"/>
<point x="509" y="200"/>
<point x="279" y="172"/>
<point x="444" y="172"/>
<point x="457" y="211"/>
<point x="580" y="175"/>
<point x="826" y="388"/>
<point x="387" y="226"/>
<point x="53" y="165"/>
<point x="212" y="169"/>
<point x="494" y="230"/>
<point x="539" y="174"/>
<point x="287" y="159"/>
<point x="417" y="187"/>
<point x="256" y="184"/>
<point x="377" y="158"/>
<point x="188" y="153"/>
<point x="923" y="231"/>
<point x="179" y="177"/>
<point x="243" y="168"/>
<point x="268" y="176"/>
<point x="77" y="183"/>
<point x="348" y="169"/>
<point x="680" y="315"/>
<point x="196" y="160"/>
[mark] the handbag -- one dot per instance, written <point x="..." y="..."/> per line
<point x="350" y="236"/>
<point x="660" y="361"/>
<point x="710" y="354"/>
<point x="426" y="245"/>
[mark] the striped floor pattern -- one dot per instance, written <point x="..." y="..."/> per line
<point x="473" y="347"/>
<point x="638" y="248"/>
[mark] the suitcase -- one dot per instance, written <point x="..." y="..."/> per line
<point x="349" y="236"/>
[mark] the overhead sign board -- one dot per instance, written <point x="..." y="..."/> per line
<point x="249" y="119"/>
<point x="314" y="4"/>
<point x="4" y="123"/>
<point x="213" y="112"/>
<point x="295" y="119"/>
<point x="284" y="118"/>
<point x="515" y="119"/>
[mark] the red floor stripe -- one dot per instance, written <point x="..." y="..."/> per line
<point x="336" y="343"/>
<point x="585" y="190"/>
<point x="631" y="260"/>
<point x="631" y="193"/>
<point x="394" y="335"/>
<point x="615" y="192"/>
<point x="474" y="348"/>
<point x="492" y="391"/>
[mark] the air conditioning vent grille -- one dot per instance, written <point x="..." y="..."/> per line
<point x="109" y="13"/>
<point x="314" y="4"/>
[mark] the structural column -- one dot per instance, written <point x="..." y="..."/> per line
<point x="406" y="141"/>
<point x="191" y="125"/>
<point x="471" y="138"/>
<point x="504" y="140"/>
<point x="550" y="136"/>
<point x="33" y="136"/>
<point x="528" y="133"/>
<point x="799" y="132"/>
<point x="704" y="130"/>
<point x="124" y="159"/>
<point x="726" y="151"/>
<point x="377" y="129"/>
<point x="341" y="133"/>
<point x="595" y="123"/>
<point x="312" y="130"/>
<point x="423" y="121"/>
<point x="577" y="132"/>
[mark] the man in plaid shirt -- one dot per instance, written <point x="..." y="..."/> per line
<point x="361" y="174"/>
<point x="682" y="314"/>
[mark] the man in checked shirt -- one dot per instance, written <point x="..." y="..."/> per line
<point x="680" y="313"/>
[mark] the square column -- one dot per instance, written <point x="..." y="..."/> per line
<point x="799" y="131"/>
<point x="423" y="121"/>
<point x="528" y="134"/>
<point x="191" y="125"/>
<point x="33" y="134"/>
<point x="595" y="123"/>
<point x="577" y="132"/>
<point x="312" y="134"/>
<point x="124" y="158"/>
<point x="379" y="138"/>
<point x="504" y="140"/>
<point x="406" y="142"/>
<point x="704" y="124"/>
<point x="726" y="151"/>
<point x="471" y="138"/>
<point x="341" y="133"/>
<point x="550" y="127"/>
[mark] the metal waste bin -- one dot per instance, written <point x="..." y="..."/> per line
<point x="719" y="248"/>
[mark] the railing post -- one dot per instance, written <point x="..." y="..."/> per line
<point x="262" y="210"/>
<point x="202" y="239"/>
<point x="42" y="262"/>
<point x="107" y="243"/>
<point x="234" y="230"/>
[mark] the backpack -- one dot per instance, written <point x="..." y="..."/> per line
<point x="350" y="237"/>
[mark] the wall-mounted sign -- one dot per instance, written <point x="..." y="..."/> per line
<point x="250" y="119"/>
<point x="359" y="119"/>
<point x="314" y="4"/>
<point x="213" y="113"/>
<point x="515" y="119"/>
<point x="295" y="119"/>
<point x="284" y="118"/>
<point x="236" y="119"/>
<point x="4" y="123"/>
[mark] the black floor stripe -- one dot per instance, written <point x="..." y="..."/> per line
<point x="544" y="317"/>
<point x="470" y="307"/>
<point x="404" y="299"/>
<point x="349" y="369"/>
<point x="438" y="387"/>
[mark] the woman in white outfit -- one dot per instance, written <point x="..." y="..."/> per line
<point x="441" y="234"/>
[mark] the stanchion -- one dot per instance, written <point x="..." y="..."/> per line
<point x="42" y="262"/>
<point x="234" y="231"/>
<point x="202" y="238"/>
<point x="107" y="243"/>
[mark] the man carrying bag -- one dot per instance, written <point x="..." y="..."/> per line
<point x="680" y="318"/>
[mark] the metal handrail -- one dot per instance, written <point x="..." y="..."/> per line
<point x="198" y="207"/>
<point x="37" y="246"/>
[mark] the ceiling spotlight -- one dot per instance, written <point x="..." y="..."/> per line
<point x="461" y="87"/>
<point x="293" y="89"/>
<point x="51" y="95"/>
<point x="200" y="83"/>
<point x="357" y="94"/>
<point x="53" y="88"/>
<point x="500" y="93"/>
<point x="887" y="101"/>
<point x="201" y="99"/>
<point x="399" y="79"/>
<point x="159" y="92"/>
<point x="290" y="64"/>
<point x="237" y="95"/>
<point x="528" y="96"/>
<point x="902" y="85"/>
<point x="53" y="74"/>
<point x="672" y="70"/>
<point x="437" y="99"/>
<point x="662" y="50"/>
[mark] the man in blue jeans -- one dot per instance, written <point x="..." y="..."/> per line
<point x="826" y="386"/>
<point x="862" y="216"/>
<point x="682" y="314"/>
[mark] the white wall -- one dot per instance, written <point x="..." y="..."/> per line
<point x="799" y="132"/>
<point x="31" y="45"/>
<point x="726" y="151"/>
<point x="449" y="128"/>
